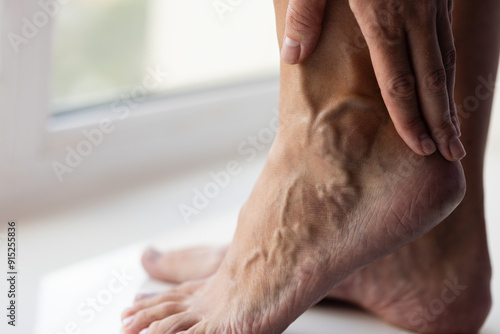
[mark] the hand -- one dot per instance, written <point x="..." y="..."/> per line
<point x="413" y="54"/>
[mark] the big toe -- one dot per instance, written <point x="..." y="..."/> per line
<point x="151" y="261"/>
<point x="184" y="265"/>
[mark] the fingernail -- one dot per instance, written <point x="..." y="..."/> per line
<point x="457" y="150"/>
<point x="290" y="52"/>
<point x="144" y="331"/>
<point x="152" y="254"/>
<point x="428" y="145"/>
<point x="128" y="321"/>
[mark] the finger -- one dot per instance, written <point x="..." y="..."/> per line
<point x="448" y="52"/>
<point x="303" y="28"/>
<point x="432" y="83"/>
<point x="386" y="41"/>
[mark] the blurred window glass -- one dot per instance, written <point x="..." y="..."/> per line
<point x="102" y="49"/>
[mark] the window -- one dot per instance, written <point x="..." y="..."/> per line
<point x="103" y="48"/>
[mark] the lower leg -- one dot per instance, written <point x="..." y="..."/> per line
<point x="477" y="38"/>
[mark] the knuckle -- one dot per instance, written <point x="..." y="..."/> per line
<point x="446" y="124"/>
<point x="401" y="86"/>
<point x="302" y="19"/>
<point x="436" y="81"/>
<point x="444" y="131"/>
<point x="382" y="19"/>
<point x="386" y="27"/>
<point x="362" y="7"/>
<point x="413" y="121"/>
<point x="450" y="57"/>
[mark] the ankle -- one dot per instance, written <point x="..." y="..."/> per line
<point x="345" y="124"/>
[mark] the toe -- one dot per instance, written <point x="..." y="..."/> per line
<point x="144" y="295"/>
<point x="144" y="318"/>
<point x="174" y="324"/>
<point x="189" y="287"/>
<point x="144" y="303"/>
<point x="152" y="264"/>
<point x="168" y="296"/>
<point x="184" y="265"/>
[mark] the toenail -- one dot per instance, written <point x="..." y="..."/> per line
<point x="128" y="321"/>
<point x="144" y="331"/>
<point x="127" y="310"/>
<point x="142" y="295"/>
<point x="152" y="254"/>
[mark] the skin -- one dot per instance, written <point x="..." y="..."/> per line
<point x="340" y="190"/>
<point x="477" y="32"/>
<point x="413" y="54"/>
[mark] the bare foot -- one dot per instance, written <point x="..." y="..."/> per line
<point x="318" y="212"/>
<point x="302" y="233"/>
<point x="432" y="285"/>
<point x="339" y="190"/>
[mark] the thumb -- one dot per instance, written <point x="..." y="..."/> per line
<point x="303" y="28"/>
